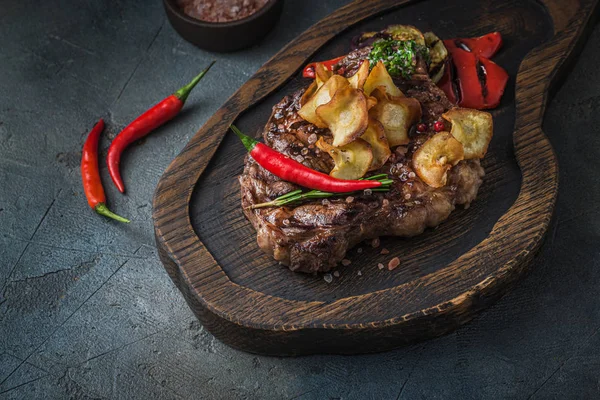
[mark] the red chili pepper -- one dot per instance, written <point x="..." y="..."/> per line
<point x="292" y="171"/>
<point x="90" y="175"/>
<point x="484" y="46"/>
<point x="309" y="70"/>
<point x="146" y="123"/>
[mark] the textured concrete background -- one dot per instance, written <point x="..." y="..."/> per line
<point x="86" y="309"/>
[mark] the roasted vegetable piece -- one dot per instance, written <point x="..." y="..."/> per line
<point x="435" y="157"/>
<point x="447" y="83"/>
<point x="375" y="136"/>
<point x="479" y="83"/>
<point x="322" y="96"/>
<point x="352" y="161"/>
<point x="483" y="46"/>
<point x="393" y="32"/>
<point x="346" y="115"/>
<point x="473" y="129"/>
<point x="380" y="77"/>
<point x="357" y="81"/>
<point x="405" y="32"/>
<point x="396" y="115"/>
<point x="496" y="79"/>
<point x="438" y="55"/>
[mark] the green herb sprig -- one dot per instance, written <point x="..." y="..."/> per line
<point x="297" y="195"/>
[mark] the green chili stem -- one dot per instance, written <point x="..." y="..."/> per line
<point x="183" y="93"/>
<point x="247" y="141"/>
<point x="102" y="209"/>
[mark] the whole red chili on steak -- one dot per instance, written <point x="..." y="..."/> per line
<point x="292" y="171"/>
<point x="146" y="123"/>
<point x="90" y="175"/>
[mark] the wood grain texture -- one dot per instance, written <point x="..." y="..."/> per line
<point x="451" y="273"/>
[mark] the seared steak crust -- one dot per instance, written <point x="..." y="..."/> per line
<point x="315" y="235"/>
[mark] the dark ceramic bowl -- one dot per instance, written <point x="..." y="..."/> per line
<point x="224" y="36"/>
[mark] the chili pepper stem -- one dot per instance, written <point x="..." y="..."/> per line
<point x="262" y="205"/>
<point x="247" y="141"/>
<point x="102" y="209"/>
<point x="183" y="93"/>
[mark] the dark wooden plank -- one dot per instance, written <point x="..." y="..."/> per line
<point x="448" y="274"/>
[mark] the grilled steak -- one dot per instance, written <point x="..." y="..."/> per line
<point x="315" y="235"/>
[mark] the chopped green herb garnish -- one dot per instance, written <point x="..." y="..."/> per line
<point x="398" y="56"/>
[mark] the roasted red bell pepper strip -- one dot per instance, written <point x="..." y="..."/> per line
<point x="472" y="80"/>
<point x="90" y="175"/>
<point x="496" y="79"/>
<point x="292" y="171"/>
<point x="447" y="82"/>
<point x="469" y="86"/>
<point x="484" y="46"/>
<point x="146" y="123"/>
<point x="309" y="70"/>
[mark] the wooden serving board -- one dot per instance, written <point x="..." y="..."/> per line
<point x="447" y="275"/>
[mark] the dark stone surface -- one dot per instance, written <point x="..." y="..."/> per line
<point x="86" y="309"/>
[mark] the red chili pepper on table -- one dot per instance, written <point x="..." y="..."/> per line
<point x="309" y="70"/>
<point x="90" y="175"/>
<point x="146" y="123"/>
<point x="470" y="79"/>
<point x="292" y="171"/>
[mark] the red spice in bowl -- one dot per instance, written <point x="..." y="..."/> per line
<point x="220" y="10"/>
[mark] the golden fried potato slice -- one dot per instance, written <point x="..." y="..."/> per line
<point x="346" y="115"/>
<point x="322" y="74"/>
<point x="380" y="77"/>
<point x="473" y="128"/>
<point x="352" y="161"/>
<point x="375" y="136"/>
<point x="396" y="114"/>
<point x="371" y="102"/>
<point x="308" y="93"/>
<point x="357" y="81"/>
<point x="322" y="96"/>
<point x="435" y="157"/>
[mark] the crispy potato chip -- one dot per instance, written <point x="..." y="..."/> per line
<point x="346" y="115"/>
<point x="352" y="161"/>
<point x="375" y="136"/>
<point x="308" y="93"/>
<point x="380" y="77"/>
<point x="473" y="128"/>
<point x="371" y="101"/>
<point x="322" y="74"/>
<point x="322" y="96"/>
<point x="435" y="157"/>
<point x="396" y="114"/>
<point x="357" y="81"/>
